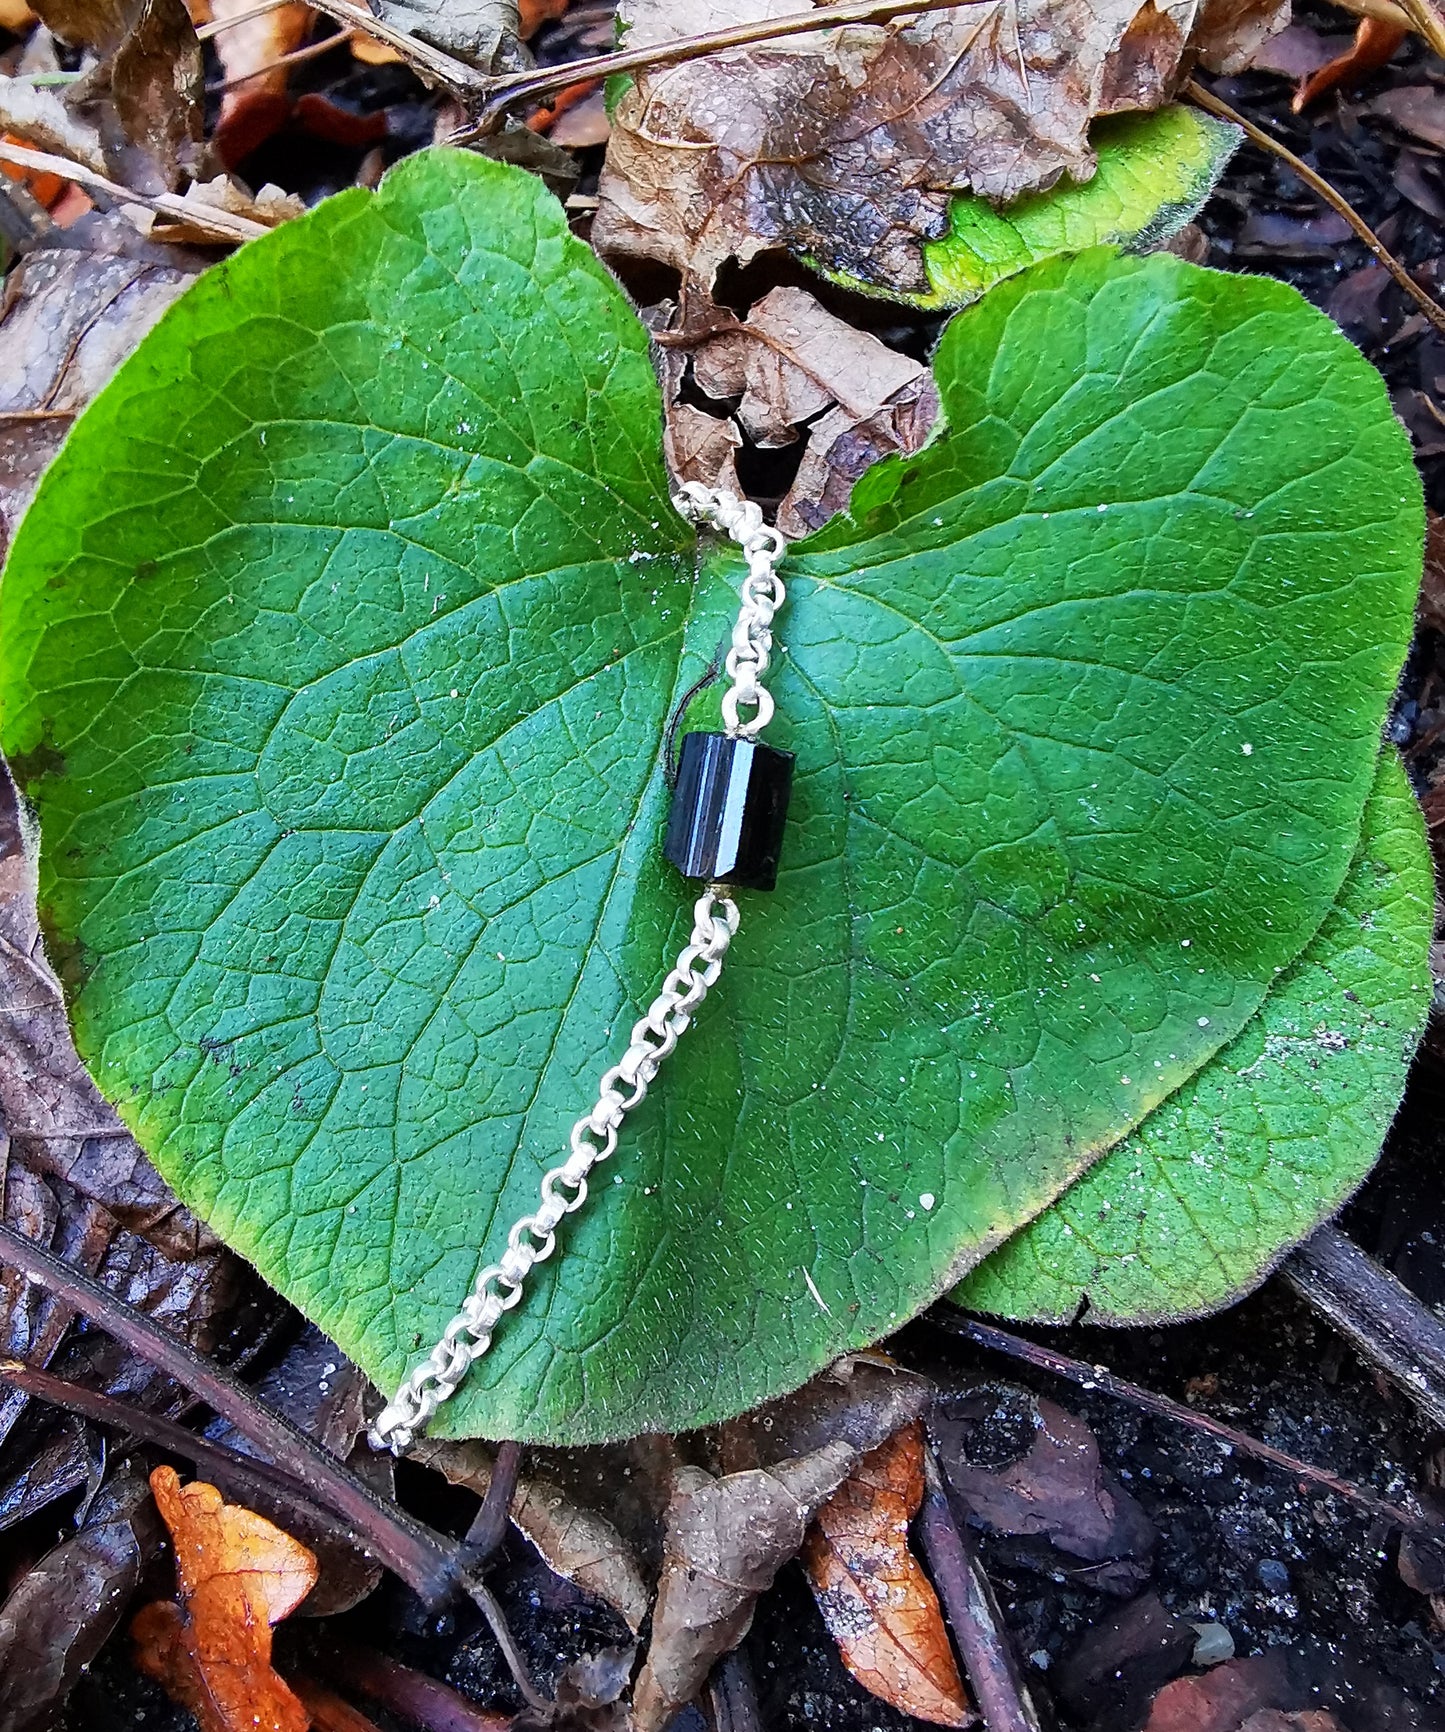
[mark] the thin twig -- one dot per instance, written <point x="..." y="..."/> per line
<point x="1385" y="10"/>
<point x="1207" y="100"/>
<point x="221" y="223"/>
<point x="426" y="1562"/>
<point x="489" y="1525"/>
<point x="973" y="1615"/>
<point x="311" y="51"/>
<point x="154" y="1428"/>
<point x="1380" y="1317"/>
<point x="501" y="93"/>
<point x="205" y="32"/>
<point x="1099" y="1377"/>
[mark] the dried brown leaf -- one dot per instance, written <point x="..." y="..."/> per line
<point x="62" y="1611"/>
<point x="800" y="374"/>
<point x="878" y="1605"/>
<point x="484" y="33"/>
<point x="577" y="1543"/>
<point x="1418" y="109"/>
<point x="238" y="1575"/>
<point x="156" y="85"/>
<point x="848" y="145"/>
<point x="1228" y="34"/>
<point x="1026" y="1467"/>
<point x="726" y="1540"/>
<point x="1225" y="1698"/>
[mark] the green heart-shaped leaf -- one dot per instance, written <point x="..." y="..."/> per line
<point x="338" y="652"/>
<point x="1200" y="1201"/>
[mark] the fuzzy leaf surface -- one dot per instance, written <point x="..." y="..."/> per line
<point x="1199" y="1202"/>
<point x="338" y="653"/>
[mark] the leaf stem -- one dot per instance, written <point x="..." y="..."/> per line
<point x="311" y="51"/>
<point x="217" y="26"/>
<point x="1212" y="104"/>
<point x="222" y="223"/>
<point x="996" y="1340"/>
<point x="1426" y="22"/>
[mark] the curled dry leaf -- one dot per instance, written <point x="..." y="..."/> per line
<point x="726" y="1540"/>
<point x="1375" y="43"/>
<point x="848" y="146"/>
<point x="484" y="33"/>
<point x="577" y="1543"/>
<point x="62" y="1610"/>
<point x="36" y="114"/>
<point x="156" y="85"/>
<point x="1025" y="1467"/>
<point x="796" y="373"/>
<point x="238" y="1575"/>
<point x="878" y="1605"/>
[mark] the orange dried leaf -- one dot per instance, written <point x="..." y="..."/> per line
<point x="239" y="1574"/>
<point x="535" y="13"/>
<point x="370" y="52"/>
<point x="878" y="1605"/>
<point x="1375" y="43"/>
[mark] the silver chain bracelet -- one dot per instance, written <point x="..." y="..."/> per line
<point x="726" y="827"/>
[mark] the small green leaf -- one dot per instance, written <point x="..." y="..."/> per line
<point x="1155" y="171"/>
<point x="1270" y="1138"/>
<point x="338" y="653"/>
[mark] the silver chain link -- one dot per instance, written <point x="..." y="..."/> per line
<point x="624" y="1086"/>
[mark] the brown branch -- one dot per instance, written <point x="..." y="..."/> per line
<point x="1207" y="100"/>
<point x="1426" y="22"/>
<point x="431" y="65"/>
<point x="431" y="1566"/>
<point x="163" y="1433"/>
<point x="217" y="26"/>
<point x="1098" y="1377"/>
<point x="973" y="1614"/>
<point x="489" y="1524"/>
<point x="499" y="94"/>
<point x="407" y="1693"/>
<point x="221" y="224"/>
<point x="1378" y="1315"/>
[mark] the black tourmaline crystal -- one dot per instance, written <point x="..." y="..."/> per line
<point x="728" y="810"/>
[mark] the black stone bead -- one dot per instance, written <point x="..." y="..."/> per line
<point x="728" y="810"/>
